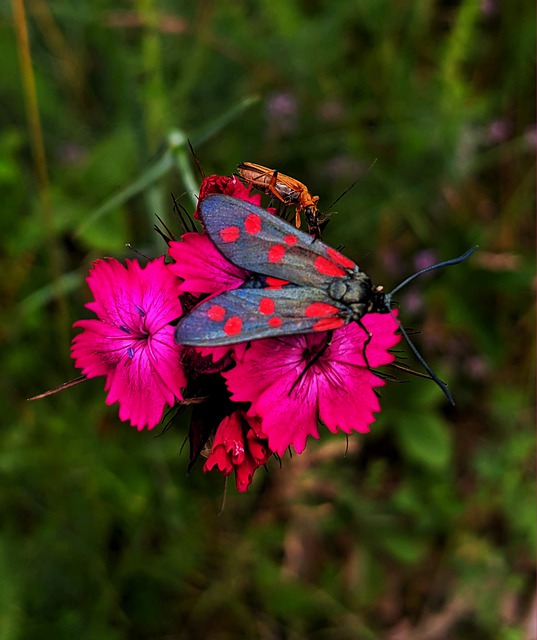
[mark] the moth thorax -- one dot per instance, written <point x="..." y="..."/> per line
<point x="349" y="291"/>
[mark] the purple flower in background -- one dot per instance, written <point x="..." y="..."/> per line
<point x="499" y="131"/>
<point x="489" y="8"/>
<point x="281" y="113"/>
<point x="424" y="259"/>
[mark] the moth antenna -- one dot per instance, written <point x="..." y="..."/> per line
<point x="388" y="299"/>
<point x="427" y="368"/>
<point x="446" y="263"/>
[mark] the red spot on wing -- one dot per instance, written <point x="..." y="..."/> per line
<point x="266" y="306"/>
<point x="275" y="283"/>
<point x="252" y="224"/>
<point x="230" y="234"/>
<point x="276" y="253"/>
<point x="340" y="258"/>
<point x="216" y="313"/>
<point x="320" y="309"/>
<point x="328" y="268"/>
<point x="275" y="322"/>
<point x="290" y="240"/>
<point x="325" y="324"/>
<point x="233" y="326"/>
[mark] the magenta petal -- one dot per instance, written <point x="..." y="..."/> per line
<point x="244" y="474"/>
<point x="99" y="347"/>
<point x="351" y="407"/>
<point x="258" y="448"/>
<point x="288" y="416"/>
<point x="232" y="449"/>
<point x="215" y="353"/>
<point x="202" y="267"/>
<point x="384" y="328"/>
<point x="230" y="186"/>
<point x="265" y="377"/>
<point x="220" y="459"/>
<point x="290" y="386"/>
<point x="132" y="342"/>
<point x="141" y="395"/>
<point x="349" y="401"/>
<point x="347" y="345"/>
<point x="228" y="445"/>
<point x="165" y="356"/>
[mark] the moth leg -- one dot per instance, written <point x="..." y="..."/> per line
<point x="369" y="336"/>
<point x="315" y="358"/>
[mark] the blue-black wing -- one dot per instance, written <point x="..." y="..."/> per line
<point x="260" y="242"/>
<point x="248" y="314"/>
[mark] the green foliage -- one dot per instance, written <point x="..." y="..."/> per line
<point x="424" y="528"/>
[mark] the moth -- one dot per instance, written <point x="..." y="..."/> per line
<point x="298" y="284"/>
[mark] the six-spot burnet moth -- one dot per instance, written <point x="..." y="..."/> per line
<point x="305" y="285"/>
<point x="289" y="190"/>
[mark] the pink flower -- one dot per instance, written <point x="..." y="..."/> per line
<point x="230" y="186"/>
<point x="202" y="267"/>
<point x="132" y="342"/>
<point x="292" y="381"/>
<point x="197" y="261"/>
<point x="236" y="446"/>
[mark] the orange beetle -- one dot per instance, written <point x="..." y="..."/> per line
<point x="287" y="189"/>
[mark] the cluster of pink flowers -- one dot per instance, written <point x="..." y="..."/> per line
<point x="249" y="401"/>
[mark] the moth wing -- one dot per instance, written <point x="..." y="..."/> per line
<point x="248" y="314"/>
<point x="260" y="242"/>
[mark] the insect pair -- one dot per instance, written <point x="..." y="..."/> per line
<point x="298" y="284"/>
<point x="288" y="190"/>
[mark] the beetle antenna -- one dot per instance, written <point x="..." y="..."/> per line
<point x="362" y="177"/>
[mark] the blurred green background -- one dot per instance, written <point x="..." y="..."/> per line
<point x="422" y="529"/>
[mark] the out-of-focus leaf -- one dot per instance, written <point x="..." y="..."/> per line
<point x="404" y="546"/>
<point x="44" y="295"/>
<point x="144" y="181"/>
<point x="425" y="440"/>
<point x="158" y="169"/>
<point x="10" y="605"/>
